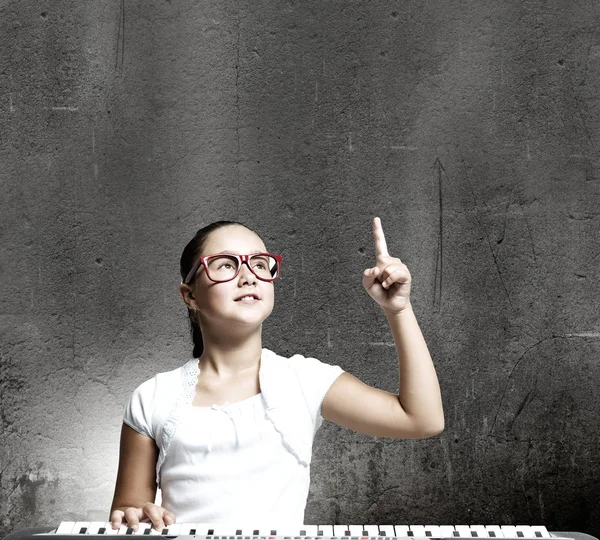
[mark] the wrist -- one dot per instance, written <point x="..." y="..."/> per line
<point x="406" y="311"/>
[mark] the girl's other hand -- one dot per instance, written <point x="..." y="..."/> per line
<point x="150" y="512"/>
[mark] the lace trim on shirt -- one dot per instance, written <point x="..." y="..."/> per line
<point x="189" y="381"/>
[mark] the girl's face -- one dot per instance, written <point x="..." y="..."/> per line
<point x="216" y="302"/>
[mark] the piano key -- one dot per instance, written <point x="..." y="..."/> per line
<point x="326" y="530"/>
<point x="340" y="530"/>
<point x="416" y="530"/>
<point x="356" y="530"/>
<point x="509" y="531"/>
<point x="94" y="526"/>
<point x="494" y="531"/>
<point x="142" y="527"/>
<point x="372" y="530"/>
<point x="311" y="530"/>
<point x="464" y="531"/>
<point x="224" y="530"/>
<point x="80" y="527"/>
<point x="539" y="531"/>
<point x="186" y="528"/>
<point x="387" y="530"/>
<point x="526" y="531"/>
<point x="65" y="527"/>
<point x="446" y="531"/>
<point x="480" y="530"/>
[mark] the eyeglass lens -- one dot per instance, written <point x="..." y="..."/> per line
<point x="225" y="267"/>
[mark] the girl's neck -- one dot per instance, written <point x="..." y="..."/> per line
<point x="230" y="360"/>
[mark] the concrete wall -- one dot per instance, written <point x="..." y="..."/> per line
<point x="471" y="128"/>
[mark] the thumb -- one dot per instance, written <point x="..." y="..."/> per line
<point x="370" y="276"/>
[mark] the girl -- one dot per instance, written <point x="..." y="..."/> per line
<point x="228" y="436"/>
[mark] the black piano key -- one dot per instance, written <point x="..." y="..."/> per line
<point x="520" y="534"/>
<point x="455" y="533"/>
<point x="101" y="530"/>
<point x="319" y="533"/>
<point x="193" y="532"/>
<point x="255" y="532"/>
<point x="538" y="534"/>
<point x="238" y="532"/>
<point x="410" y="533"/>
<point x="474" y="534"/>
<point x="302" y="533"/>
<point x="427" y="533"/>
<point x="347" y="533"/>
<point x="129" y="530"/>
<point x="273" y="533"/>
<point x="211" y="532"/>
<point x="381" y="533"/>
<point x="165" y="531"/>
<point x="492" y="534"/>
<point x="82" y="530"/>
<point x="147" y="531"/>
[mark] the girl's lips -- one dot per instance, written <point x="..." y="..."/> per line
<point x="247" y="300"/>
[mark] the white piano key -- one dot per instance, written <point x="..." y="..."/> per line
<point x="80" y="525"/>
<point x="224" y="530"/>
<point x="327" y="530"/>
<point x="109" y="530"/>
<point x="356" y="530"/>
<point x="543" y="532"/>
<point x="372" y="530"/>
<point x="525" y="531"/>
<point x="122" y="529"/>
<point x="142" y="528"/>
<point x="417" y="530"/>
<point x="311" y="530"/>
<point x="185" y="528"/>
<point x="480" y="530"/>
<point x="496" y="530"/>
<point x="173" y="529"/>
<point x="388" y="530"/>
<point x="463" y="530"/>
<point x="65" y="527"/>
<point x="509" y="531"/>
<point x="340" y="530"/>
<point x="446" y="530"/>
<point x="95" y="526"/>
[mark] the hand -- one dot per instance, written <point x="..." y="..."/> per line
<point x="157" y="515"/>
<point x="388" y="282"/>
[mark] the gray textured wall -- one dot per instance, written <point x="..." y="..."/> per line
<point x="471" y="128"/>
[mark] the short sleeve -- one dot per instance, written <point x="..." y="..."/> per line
<point x="315" y="378"/>
<point x="138" y="411"/>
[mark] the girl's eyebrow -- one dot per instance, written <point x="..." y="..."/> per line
<point x="234" y="253"/>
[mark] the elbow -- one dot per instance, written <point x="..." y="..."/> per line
<point x="430" y="430"/>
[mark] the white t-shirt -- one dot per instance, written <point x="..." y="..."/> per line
<point x="228" y="463"/>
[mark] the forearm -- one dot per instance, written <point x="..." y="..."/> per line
<point x="419" y="390"/>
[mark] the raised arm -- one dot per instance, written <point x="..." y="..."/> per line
<point x="416" y="411"/>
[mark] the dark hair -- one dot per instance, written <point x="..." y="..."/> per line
<point x="189" y="257"/>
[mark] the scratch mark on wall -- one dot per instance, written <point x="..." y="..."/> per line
<point x="482" y="227"/>
<point x="510" y="377"/>
<point x="120" y="39"/>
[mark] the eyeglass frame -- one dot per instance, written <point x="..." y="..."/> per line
<point x="241" y="260"/>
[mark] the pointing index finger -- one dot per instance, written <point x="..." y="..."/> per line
<point x="380" y="244"/>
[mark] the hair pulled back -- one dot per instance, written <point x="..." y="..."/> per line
<point x="189" y="257"/>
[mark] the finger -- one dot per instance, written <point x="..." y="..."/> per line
<point x="155" y="516"/>
<point x="133" y="517"/>
<point x="116" y="518"/>
<point x="370" y="276"/>
<point x="390" y="278"/>
<point x="380" y="244"/>
<point x="169" y="517"/>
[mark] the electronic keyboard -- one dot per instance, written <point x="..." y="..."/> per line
<point x="99" y="530"/>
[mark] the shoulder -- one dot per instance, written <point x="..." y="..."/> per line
<point x="163" y="383"/>
<point x="303" y="367"/>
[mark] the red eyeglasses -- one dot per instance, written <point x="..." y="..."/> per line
<point x="226" y="266"/>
